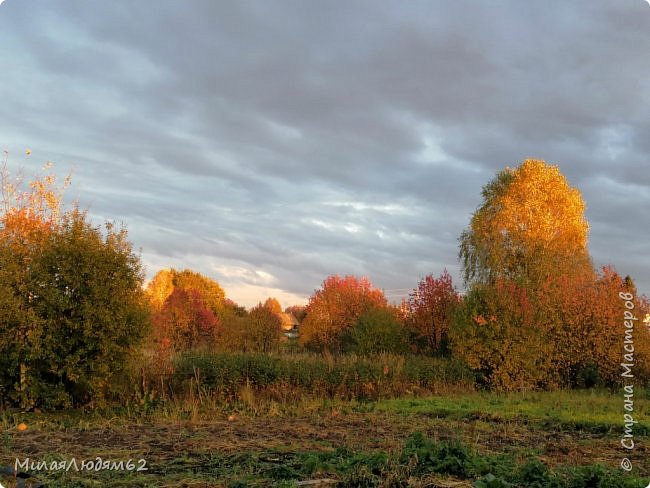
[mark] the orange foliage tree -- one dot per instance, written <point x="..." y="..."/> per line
<point x="160" y="287"/>
<point x="185" y="321"/>
<point x="582" y="317"/>
<point x="335" y="308"/>
<point x="188" y="311"/>
<point x="38" y="206"/>
<point x="273" y="305"/>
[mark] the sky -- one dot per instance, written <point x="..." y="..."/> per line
<point x="269" y="144"/>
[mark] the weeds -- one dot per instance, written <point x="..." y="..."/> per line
<point x="294" y="375"/>
<point x="479" y="439"/>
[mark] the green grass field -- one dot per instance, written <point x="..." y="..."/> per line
<point x="541" y="439"/>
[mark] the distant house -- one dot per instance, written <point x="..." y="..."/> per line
<point x="290" y="325"/>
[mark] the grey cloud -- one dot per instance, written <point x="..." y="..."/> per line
<point x="224" y="131"/>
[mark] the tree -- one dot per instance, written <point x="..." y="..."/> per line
<point x="265" y="328"/>
<point x="160" y="287"/>
<point x="38" y="207"/>
<point x="210" y="291"/>
<point x="582" y="317"/>
<point x="494" y="333"/>
<point x="86" y="286"/>
<point x="273" y="305"/>
<point x="231" y="308"/>
<point x="298" y="311"/>
<point x="166" y="281"/>
<point x="17" y="323"/>
<point x="185" y="321"/>
<point x="429" y="310"/>
<point x="72" y="308"/>
<point x="28" y="216"/>
<point x="537" y="314"/>
<point x="565" y="333"/>
<point x="376" y="331"/>
<point x="335" y="308"/>
<point x="530" y="225"/>
<point x="259" y="331"/>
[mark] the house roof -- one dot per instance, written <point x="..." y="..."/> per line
<point x="289" y="321"/>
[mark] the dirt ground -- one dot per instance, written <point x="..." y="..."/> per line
<point x="173" y="446"/>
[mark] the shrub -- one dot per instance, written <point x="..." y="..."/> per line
<point x="495" y="334"/>
<point x="535" y="474"/>
<point x="85" y="291"/>
<point x="259" y="331"/>
<point x="377" y="330"/>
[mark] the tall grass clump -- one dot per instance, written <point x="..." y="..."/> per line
<point x="343" y="377"/>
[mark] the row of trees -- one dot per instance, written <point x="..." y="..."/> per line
<point x="348" y="314"/>
<point x="191" y="311"/>
<point x="536" y="314"/>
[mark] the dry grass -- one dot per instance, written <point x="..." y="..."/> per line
<point x="181" y="445"/>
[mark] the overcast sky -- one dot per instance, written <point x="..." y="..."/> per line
<point x="270" y="144"/>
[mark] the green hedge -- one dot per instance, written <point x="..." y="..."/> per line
<point x="347" y="376"/>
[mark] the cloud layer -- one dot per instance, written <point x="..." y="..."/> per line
<point x="269" y="144"/>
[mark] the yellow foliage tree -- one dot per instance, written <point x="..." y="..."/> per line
<point x="537" y="314"/>
<point x="28" y="215"/>
<point x="530" y="226"/>
<point x="160" y="287"/>
<point x="167" y="280"/>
